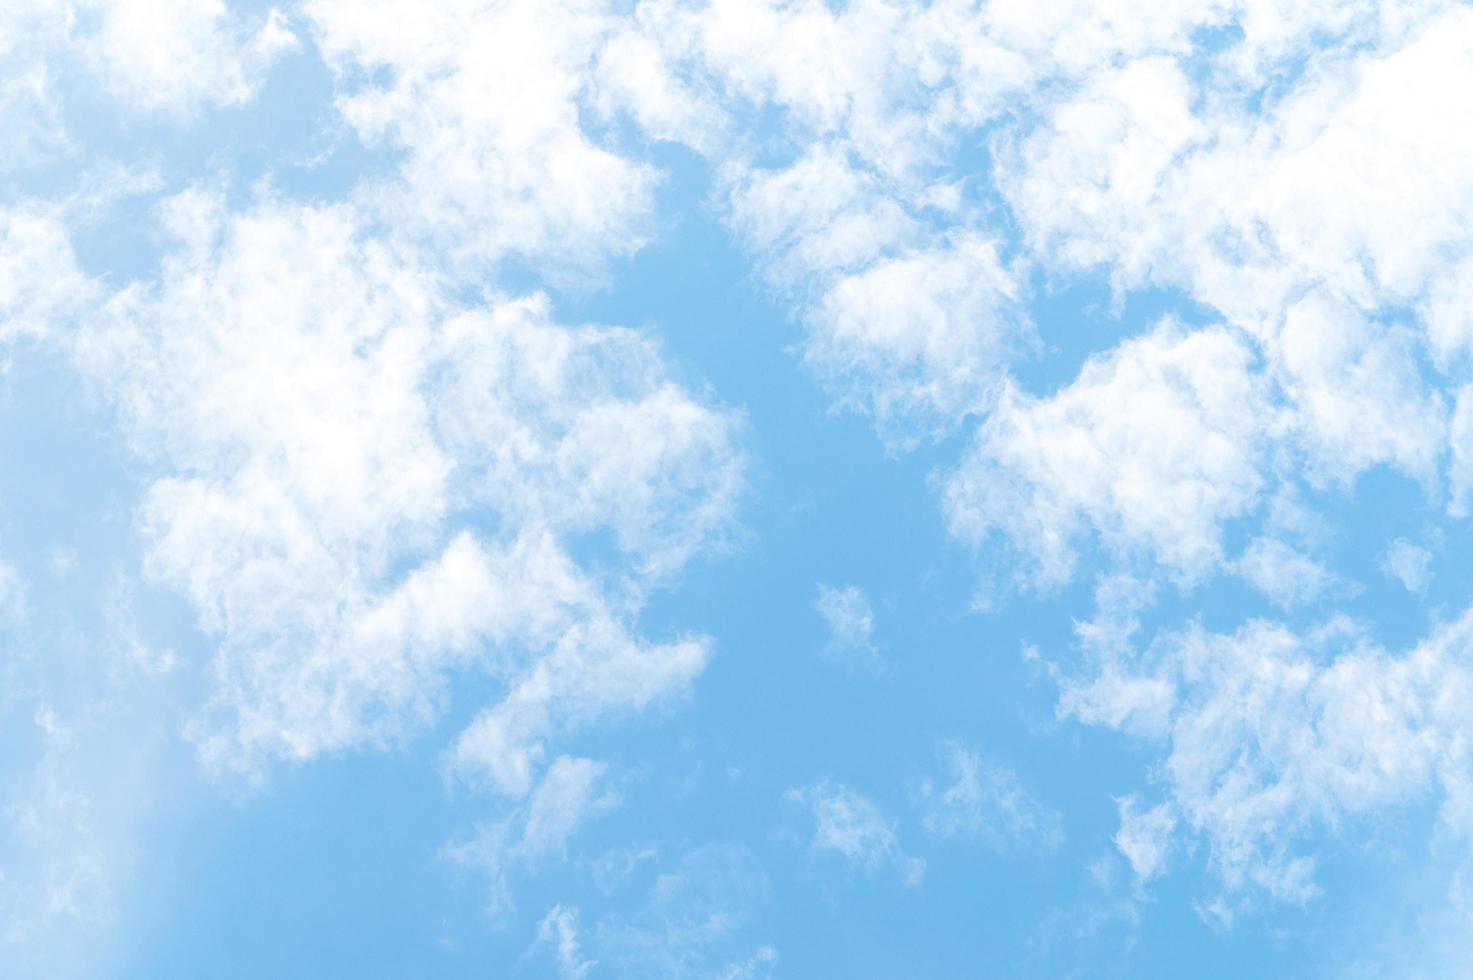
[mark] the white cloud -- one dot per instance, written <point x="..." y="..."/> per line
<point x="844" y="71"/>
<point x="904" y="324"/>
<point x="367" y="487"/>
<point x="176" y="55"/>
<point x="989" y="802"/>
<point x="914" y="326"/>
<point x="1283" y="221"/>
<point x="594" y="672"/>
<point x="847" y="613"/>
<point x="40" y="284"/>
<point x="919" y="340"/>
<point x="1408" y="563"/>
<point x="1135" y="171"/>
<point x="853" y="827"/>
<point x="170" y="57"/>
<point x="1107" y="691"/>
<point x="559" y="931"/>
<point x="485" y="103"/>
<point x="363" y="486"/>
<point x="1145" y="836"/>
<point x="29" y="110"/>
<point x="1272" y="735"/>
<point x="1356" y="396"/>
<point x="900" y="84"/>
<point x="1288" y="578"/>
<point x="1153" y="447"/>
<point x="821" y="216"/>
<point x="534" y="831"/>
<point x="56" y="872"/>
<point x="1249" y="185"/>
<point x="634" y="75"/>
<point x="561" y="801"/>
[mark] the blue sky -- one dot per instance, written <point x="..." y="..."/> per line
<point x="735" y="488"/>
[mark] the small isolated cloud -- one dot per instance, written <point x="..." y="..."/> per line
<point x="1145" y="836"/>
<point x="987" y="802"/>
<point x="559" y="933"/>
<point x="1287" y="578"/>
<point x="853" y="827"/>
<point x="1408" y="563"/>
<point x="847" y="613"/>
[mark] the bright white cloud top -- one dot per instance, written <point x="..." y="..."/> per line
<point x="438" y="443"/>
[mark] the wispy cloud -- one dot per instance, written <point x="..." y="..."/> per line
<point x="854" y="828"/>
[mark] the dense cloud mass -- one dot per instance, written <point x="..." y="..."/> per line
<point x="401" y="490"/>
<point x="330" y="432"/>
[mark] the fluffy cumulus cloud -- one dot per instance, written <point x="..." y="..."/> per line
<point x="485" y="103"/>
<point x="910" y="326"/>
<point x="173" y="55"/>
<point x="1271" y="735"/>
<point x="1135" y="172"/>
<point x="1153" y="446"/>
<point x="366" y="488"/>
<point x="1280" y="220"/>
<point x="40" y="283"/>
<point x="152" y="57"/>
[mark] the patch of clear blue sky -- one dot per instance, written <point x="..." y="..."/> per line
<point x="331" y="869"/>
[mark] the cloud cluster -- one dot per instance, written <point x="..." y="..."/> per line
<point x="1241" y="156"/>
<point x="485" y="103"/>
<point x="366" y="488"/>
<point x="1272" y="736"/>
<point x="176" y="57"/>
<point x="156" y="59"/>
